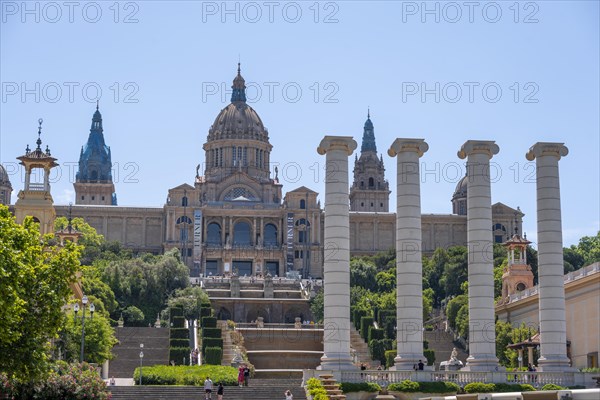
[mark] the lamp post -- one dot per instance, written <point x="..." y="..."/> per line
<point x="84" y="302"/>
<point x="141" y="363"/>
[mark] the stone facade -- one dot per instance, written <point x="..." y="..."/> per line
<point x="235" y="215"/>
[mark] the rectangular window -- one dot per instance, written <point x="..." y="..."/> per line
<point x="233" y="156"/>
<point x="221" y="158"/>
<point x="260" y="159"/>
<point x="256" y="157"/>
<point x="301" y="236"/>
<point x="212" y="267"/>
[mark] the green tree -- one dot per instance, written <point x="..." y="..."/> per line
<point x="433" y="271"/>
<point x="455" y="270"/>
<point x="428" y="296"/>
<point x="363" y="273"/>
<point x="35" y="281"/>
<point x="317" y="306"/>
<point x="589" y="248"/>
<point x="190" y="300"/>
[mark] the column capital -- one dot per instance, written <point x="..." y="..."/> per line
<point x="346" y="143"/>
<point x="488" y="147"/>
<point x="547" y="149"/>
<point x="419" y="146"/>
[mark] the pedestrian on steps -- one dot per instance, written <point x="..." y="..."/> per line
<point x="220" y="391"/>
<point x="207" y="388"/>
<point x="289" y="395"/>
<point x="241" y="375"/>
<point x="246" y="375"/>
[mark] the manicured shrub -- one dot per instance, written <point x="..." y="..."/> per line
<point x="312" y="383"/>
<point x="176" y="312"/>
<point x="404" y="386"/>
<point x="179" y="355"/>
<point x="349" y="387"/>
<point x="211" y="342"/>
<point x="552" y="386"/>
<point x="177" y="322"/>
<point x="389" y="327"/>
<point x="425" y="344"/>
<point x="514" y="387"/>
<point x="383" y="314"/>
<point x="179" y="333"/>
<point x="186" y="375"/>
<point x="430" y="355"/>
<point x="213" y="355"/>
<point x="205" y="312"/>
<point x="211" y="332"/>
<point x="321" y="396"/>
<point x="365" y="323"/>
<point x="179" y="343"/>
<point x="389" y="357"/>
<point x="358" y="314"/>
<point x="378" y="348"/>
<point x="375" y="333"/>
<point x="209" y="322"/>
<point x="438" y="387"/>
<point x="479" y="387"/>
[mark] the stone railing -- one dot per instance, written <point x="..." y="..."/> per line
<point x="246" y="325"/>
<point x="536" y="379"/>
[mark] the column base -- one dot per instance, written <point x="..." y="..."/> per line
<point x="407" y="362"/>
<point x="555" y="363"/>
<point x="337" y="362"/>
<point x="482" y="363"/>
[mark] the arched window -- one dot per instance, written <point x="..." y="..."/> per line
<point x="302" y="221"/>
<point x="302" y="204"/>
<point x="371" y="182"/>
<point x="270" y="238"/>
<point x="213" y="233"/>
<point x="241" y="234"/>
<point x="240" y="194"/>
<point x="184" y="219"/>
<point x="499" y="233"/>
<point x="184" y="201"/>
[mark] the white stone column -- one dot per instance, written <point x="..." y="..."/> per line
<point x="409" y="267"/>
<point x="482" y="328"/>
<point x="553" y="327"/>
<point x="336" y="275"/>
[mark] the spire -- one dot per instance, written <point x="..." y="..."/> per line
<point x="368" y="140"/>
<point x="97" y="119"/>
<point x="239" y="87"/>
<point x="39" y="140"/>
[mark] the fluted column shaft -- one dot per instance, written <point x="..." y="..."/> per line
<point x="336" y="274"/>
<point x="409" y="267"/>
<point x="553" y="327"/>
<point x="482" y="327"/>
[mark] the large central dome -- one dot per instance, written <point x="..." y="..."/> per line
<point x="238" y="120"/>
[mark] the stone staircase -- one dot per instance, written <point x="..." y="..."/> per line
<point x="228" y="348"/>
<point x="332" y="387"/>
<point x="442" y="344"/>
<point x="127" y="351"/>
<point x="361" y="348"/>
<point x="258" y="389"/>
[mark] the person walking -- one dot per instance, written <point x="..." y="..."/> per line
<point x="241" y="375"/>
<point x="246" y="375"/>
<point x="289" y="395"/>
<point x="421" y="365"/>
<point x="220" y="391"/>
<point x="208" y="385"/>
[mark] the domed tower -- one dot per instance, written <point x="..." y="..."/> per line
<point x="370" y="190"/>
<point x="237" y="154"/>
<point x="459" y="198"/>
<point x="5" y="187"/>
<point x="35" y="199"/>
<point x="93" y="183"/>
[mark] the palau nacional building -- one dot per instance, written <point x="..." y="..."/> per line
<point x="235" y="214"/>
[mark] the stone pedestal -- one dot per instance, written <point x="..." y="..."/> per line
<point x="409" y="268"/>
<point x="268" y="287"/>
<point x="336" y="269"/>
<point x="482" y="328"/>
<point x="553" y="329"/>
<point x="234" y="285"/>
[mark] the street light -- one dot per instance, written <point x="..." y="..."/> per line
<point x="84" y="302"/>
<point x="141" y="358"/>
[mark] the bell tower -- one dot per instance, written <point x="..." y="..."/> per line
<point x="370" y="191"/>
<point x="517" y="275"/>
<point x="35" y="199"/>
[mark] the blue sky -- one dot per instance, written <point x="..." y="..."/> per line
<point x="513" y="72"/>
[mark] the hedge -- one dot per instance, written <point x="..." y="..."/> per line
<point x="389" y="325"/>
<point x="211" y="332"/>
<point x="211" y="342"/>
<point x="179" y="343"/>
<point x="186" y="375"/>
<point x="177" y="322"/>
<point x="349" y="387"/>
<point x="176" y="312"/>
<point x="179" y="333"/>
<point x="358" y="314"/>
<point x="424" y="387"/>
<point x="213" y="355"/>
<point x="378" y="348"/>
<point x="430" y="355"/>
<point x="389" y="357"/>
<point x="180" y="355"/>
<point x="479" y="387"/>
<point x="365" y="323"/>
<point x="375" y="333"/>
<point x="209" y="322"/>
<point x="205" y="312"/>
<point x="383" y="314"/>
